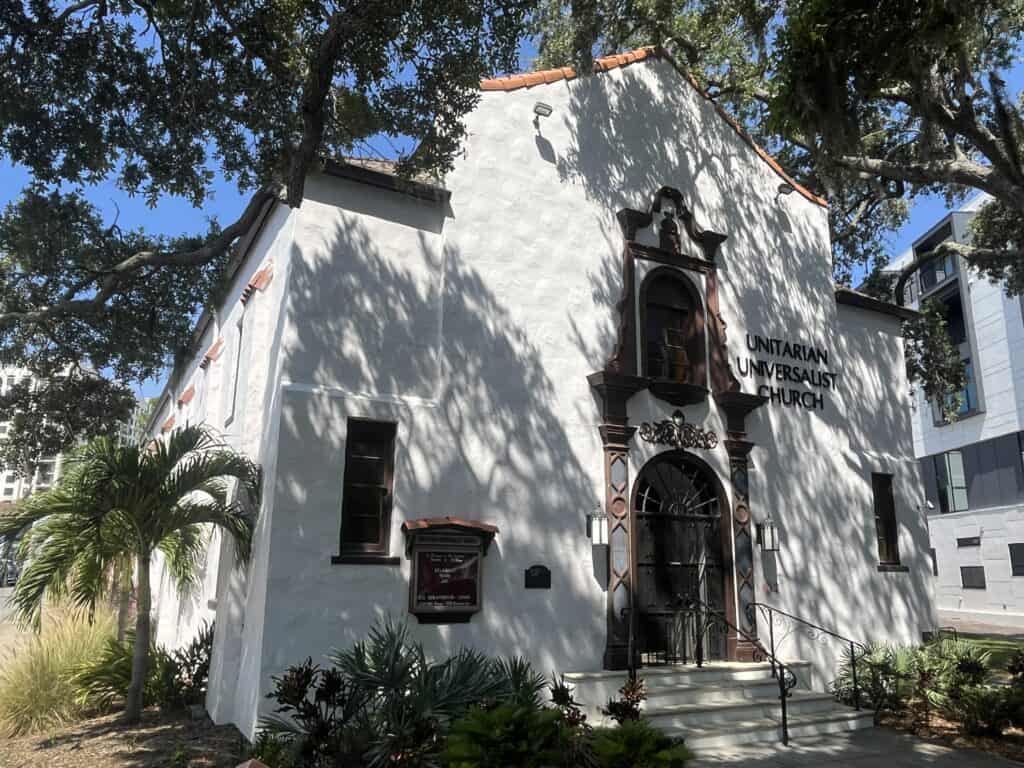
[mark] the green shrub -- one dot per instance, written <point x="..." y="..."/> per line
<point x="175" y="679"/>
<point x="983" y="710"/>
<point x="384" y="702"/>
<point x="508" y="735"/>
<point x="638" y="744"/>
<point x="632" y="694"/>
<point x="885" y="677"/>
<point x="36" y="692"/>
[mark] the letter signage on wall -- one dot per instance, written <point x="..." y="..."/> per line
<point x="797" y="375"/>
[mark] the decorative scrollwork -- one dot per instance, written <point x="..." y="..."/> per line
<point x="677" y="433"/>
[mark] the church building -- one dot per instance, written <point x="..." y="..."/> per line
<point x="595" y="382"/>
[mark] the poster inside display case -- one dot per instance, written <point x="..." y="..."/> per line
<point x="447" y="568"/>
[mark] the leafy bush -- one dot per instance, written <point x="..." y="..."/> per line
<point x="983" y="710"/>
<point x="638" y="744"/>
<point x="884" y="674"/>
<point x="508" y="735"/>
<point x="36" y="693"/>
<point x="1015" y="666"/>
<point x="383" y="702"/>
<point x="176" y="679"/>
<point x="627" y="707"/>
<point x="319" y="719"/>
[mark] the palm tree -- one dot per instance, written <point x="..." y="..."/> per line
<point x="130" y="500"/>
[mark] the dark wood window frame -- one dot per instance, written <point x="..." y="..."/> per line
<point x="358" y="487"/>
<point x="692" y="341"/>
<point x="886" y="525"/>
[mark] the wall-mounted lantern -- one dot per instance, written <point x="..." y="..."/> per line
<point x="768" y="535"/>
<point x="597" y="528"/>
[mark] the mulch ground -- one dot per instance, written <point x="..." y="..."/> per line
<point x="947" y="733"/>
<point x="161" y="740"/>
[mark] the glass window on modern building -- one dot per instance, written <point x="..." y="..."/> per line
<point x="952" y="482"/>
<point x="972" y="576"/>
<point x="1017" y="559"/>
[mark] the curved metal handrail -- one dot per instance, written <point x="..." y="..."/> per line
<point x="817" y="627"/>
<point x="780" y="671"/>
<point x="768" y="612"/>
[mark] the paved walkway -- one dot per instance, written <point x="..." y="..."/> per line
<point x="972" y="626"/>
<point x="868" y="748"/>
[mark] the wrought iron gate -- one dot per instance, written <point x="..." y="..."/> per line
<point x="679" y="559"/>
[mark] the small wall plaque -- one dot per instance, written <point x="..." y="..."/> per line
<point x="538" y="577"/>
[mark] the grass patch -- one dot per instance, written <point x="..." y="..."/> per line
<point x="1001" y="647"/>
<point x="36" y="693"/>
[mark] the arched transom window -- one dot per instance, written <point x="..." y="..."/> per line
<point x="673" y="328"/>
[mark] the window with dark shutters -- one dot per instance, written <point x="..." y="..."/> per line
<point x="369" y="479"/>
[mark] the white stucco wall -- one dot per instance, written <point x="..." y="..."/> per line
<point x="473" y="326"/>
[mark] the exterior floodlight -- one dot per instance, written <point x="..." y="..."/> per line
<point x="540" y="109"/>
<point x="785" y="188"/>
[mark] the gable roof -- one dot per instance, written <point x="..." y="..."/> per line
<point x="619" y="60"/>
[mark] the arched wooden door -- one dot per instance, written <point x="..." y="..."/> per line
<point x="681" y="542"/>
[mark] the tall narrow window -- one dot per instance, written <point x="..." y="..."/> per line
<point x="369" y="478"/>
<point x="952" y="482"/>
<point x="935" y="562"/>
<point x="672" y="321"/>
<point x="233" y="402"/>
<point x="886" y="529"/>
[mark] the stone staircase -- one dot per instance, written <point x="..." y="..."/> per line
<point x="724" y="704"/>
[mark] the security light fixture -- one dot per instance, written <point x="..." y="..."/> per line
<point x="785" y="188"/>
<point x="540" y="109"/>
<point x="768" y="535"/>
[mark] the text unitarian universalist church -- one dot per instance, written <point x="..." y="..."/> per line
<point x="818" y="377"/>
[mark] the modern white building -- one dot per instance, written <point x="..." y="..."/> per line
<point x="543" y="405"/>
<point x="15" y="485"/>
<point x="972" y="467"/>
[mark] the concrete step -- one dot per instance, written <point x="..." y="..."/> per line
<point x="715" y="693"/>
<point x="672" y="715"/>
<point x="708" y="738"/>
<point x="690" y="674"/>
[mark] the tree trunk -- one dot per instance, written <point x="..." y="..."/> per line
<point x="140" y="654"/>
<point x="124" y="604"/>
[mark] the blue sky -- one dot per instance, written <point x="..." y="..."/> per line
<point x="177" y="216"/>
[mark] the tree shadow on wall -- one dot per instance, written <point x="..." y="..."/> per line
<point x="478" y="439"/>
<point x="643" y="127"/>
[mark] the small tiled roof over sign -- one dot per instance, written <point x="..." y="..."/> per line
<point x="616" y="61"/>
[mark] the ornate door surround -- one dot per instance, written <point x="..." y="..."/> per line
<point x="620" y="379"/>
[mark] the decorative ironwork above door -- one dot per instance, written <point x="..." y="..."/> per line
<point x="677" y="433"/>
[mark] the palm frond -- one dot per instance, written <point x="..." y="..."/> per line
<point x="183" y="551"/>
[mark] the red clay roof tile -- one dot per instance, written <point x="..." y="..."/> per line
<point x="187" y="395"/>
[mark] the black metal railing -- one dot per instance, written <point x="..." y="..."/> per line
<point x="698" y="619"/>
<point x="775" y="616"/>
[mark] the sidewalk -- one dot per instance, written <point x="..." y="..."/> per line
<point x="868" y="748"/>
<point x="973" y="627"/>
